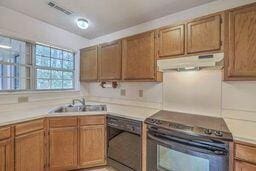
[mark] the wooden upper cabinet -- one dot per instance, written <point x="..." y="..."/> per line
<point x="89" y="64"/>
<point x="204" y="34"/>
<point x="139" y="57"/>
<point x="171" y="41"/>
<point x="63" y="148"/>
<point x="30" y="152"/>
<point x="6" y="156"/>
<point x="110" y="61"/>
<point x="92" y="145"/>
<point x="241" y="46"/>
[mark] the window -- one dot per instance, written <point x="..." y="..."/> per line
<point x="27" y="66"/>
<point x="54" y="68"/>
<point x="15" y="64"/>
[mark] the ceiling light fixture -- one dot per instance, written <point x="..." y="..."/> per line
<point x="5" y="47"/>
<point x="82" y="23"/>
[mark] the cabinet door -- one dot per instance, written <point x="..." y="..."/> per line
<point x="242" y="44"/>
<point x="139" y="57"/>
<point x="63" y="148"/>
<point x="89" y="64"/>
<point x="204" y="34"/>
<point x="30" y="152"/>
<point x="171" y="41"/>
<point x="242" y="166"/>
<point x="6" y="156"/>
<point x="92" y="145"/>
<point x="110" y="62"/>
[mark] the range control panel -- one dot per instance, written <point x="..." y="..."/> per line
<point x="189" y="129"/>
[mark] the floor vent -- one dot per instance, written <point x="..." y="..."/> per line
<point x="57" y="7"/>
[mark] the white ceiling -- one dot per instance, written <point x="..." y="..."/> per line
<point x="105" y="16"/>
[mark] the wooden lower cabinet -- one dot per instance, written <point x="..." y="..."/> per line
<point x="58" y="145"/>
<point x="92" y="145"/>
<point x="30" y="152"/>
<point x="245" y="157"/>
<point x="243" y="166"/>
<point x="63" y="148"/>
<point x="6" y="155"/>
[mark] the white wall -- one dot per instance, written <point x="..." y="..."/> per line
<point x="20" y="26"/>
<point x="239" y="100"/>
<point x="151" y="91"/>
<point x="17" y="25"/>
<point x="196" y="92"/>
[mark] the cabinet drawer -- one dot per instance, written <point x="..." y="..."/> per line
<point x="63" y="122"/>
<point x="5" y="132"/>
<point x="29" y="126"/>
<point x="92" y="120"/>
<point x="245" y="153"/>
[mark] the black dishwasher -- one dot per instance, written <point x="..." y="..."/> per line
<point x="124" y="143"/>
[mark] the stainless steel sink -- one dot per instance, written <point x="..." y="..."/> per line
<point x="80" y="108"/>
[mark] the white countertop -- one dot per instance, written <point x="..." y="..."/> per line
<point x="18" y="114"/>
<point x="241" y="130"/>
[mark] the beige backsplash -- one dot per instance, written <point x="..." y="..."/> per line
<point x="12" y="98"/>
<point x="201" y="92"/>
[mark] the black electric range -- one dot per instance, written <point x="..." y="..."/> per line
<point x="197" y="125"/>
<point x="187" y="142"/>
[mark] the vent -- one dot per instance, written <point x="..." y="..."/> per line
<point x="57" y="7"/>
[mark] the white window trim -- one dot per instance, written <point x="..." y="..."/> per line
<point x="76" y="84"/>
<point x="50" y="68"/>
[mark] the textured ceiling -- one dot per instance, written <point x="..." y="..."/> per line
<point x="105" y="16"/>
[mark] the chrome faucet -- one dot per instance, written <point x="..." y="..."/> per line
<point x="82" y="101"/>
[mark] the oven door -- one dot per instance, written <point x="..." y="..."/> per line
<point x="167" y="154"/>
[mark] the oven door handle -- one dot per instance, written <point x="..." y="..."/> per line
<point x="171" y="143"/>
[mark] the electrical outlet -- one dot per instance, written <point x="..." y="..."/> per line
<point x="123" y="92"/>
<point x="140" y="93"/>
<point x="23" y="99"/>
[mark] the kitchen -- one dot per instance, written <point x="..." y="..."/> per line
<point x="130" y="86"/>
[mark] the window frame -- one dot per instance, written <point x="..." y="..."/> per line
<point x="27" y="65"/>
<point x="31" y="58"/>
<point x="35" y="67"/>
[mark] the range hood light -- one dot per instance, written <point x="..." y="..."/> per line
<point x="5" y="47"/>
<point x="188" y="69"/>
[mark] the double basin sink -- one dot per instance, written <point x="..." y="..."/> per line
<point x="79" y="108"/>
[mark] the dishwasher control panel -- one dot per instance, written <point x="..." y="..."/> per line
<point x="125" y="124"/>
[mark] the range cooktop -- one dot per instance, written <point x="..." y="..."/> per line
<point x="197" y="125"/>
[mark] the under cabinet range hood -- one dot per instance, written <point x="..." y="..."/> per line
<point x="213" y="61"/>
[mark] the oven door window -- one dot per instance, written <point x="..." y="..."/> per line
<point x="177" y="155"/>
<point x="171" y="160"/>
